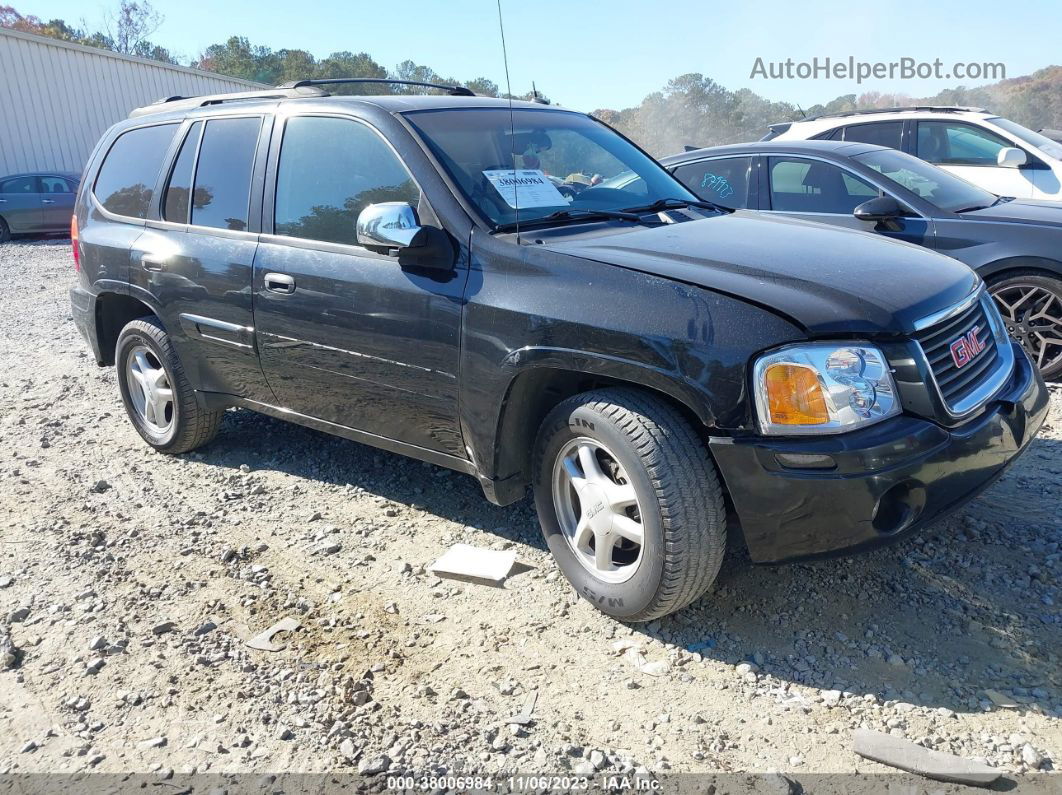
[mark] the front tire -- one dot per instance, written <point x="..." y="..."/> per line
<point x="1031" y="305"/>
<point x="158" y="397"/>
<point x="629" y="503"/>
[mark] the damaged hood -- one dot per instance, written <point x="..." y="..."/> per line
<point x="828" y="280"/>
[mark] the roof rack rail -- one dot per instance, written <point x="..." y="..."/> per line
<point x="298" y="88"/>
<point x="935" y="108"/>
<point x="455" y="91"/>
<point x="188" y="103"/>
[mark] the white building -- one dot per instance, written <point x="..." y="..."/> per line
<point x="57" y="98"/>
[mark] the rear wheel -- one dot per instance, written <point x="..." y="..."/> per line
<point x="5" y="231"/>
<point x="629" y="503"/>
<point x="1031" y="305"/>
<point x="158" y="397"/>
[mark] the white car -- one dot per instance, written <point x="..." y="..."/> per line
<point x="995" y="153"/>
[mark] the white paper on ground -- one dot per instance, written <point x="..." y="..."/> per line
<point x="464" y="560"/>
<point x="525" y="187"/>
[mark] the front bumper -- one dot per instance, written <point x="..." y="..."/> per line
<point x="799" y="498"/>
<point x="83" y="310"/>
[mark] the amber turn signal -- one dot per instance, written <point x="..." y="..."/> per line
<point x="794" y="395"/>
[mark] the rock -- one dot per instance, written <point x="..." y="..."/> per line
<point x="10" y="655"/>
<point x="31" y="745"/>
<point x="204" y="628"/>
<point x="330" y="548"/>
<point x="831" y="698"/>
<point x="746" y="668"/>
<point x="374" y="766"/>
<point x="500" y="744"/>
<point x="905" y="755"/>
<point x="6" y="581"/>
<point x="97" y="643"/>
<point x="153" y="742"/>
<point x="597" y="759"/>
<point x="584" y="768"/>
<point x="18" y="615"/>
<point x="100" y="486"/>
<point x="163" y="628"/>
<point x="897" y="660"/>
<point x="1031" y="757"/>
<point x="284" y="733"/>
<point x="347" y="748"/>
<point x="1001" y="700"/>
<point x="94" y="666"/>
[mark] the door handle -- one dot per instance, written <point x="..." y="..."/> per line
<point x="3" y="201"/>
<point x="150" y="263"/>
<point x="47" y="201"/>
<point x="279" y="283"/>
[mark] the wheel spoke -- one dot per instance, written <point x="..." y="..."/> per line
<point x="626" y="527"/>
<point x="583" y="534"/>
<point x="575" y="475"/>
<point x="588" y="461"/>
<point x="622" y="495"/>
<point x="603" y="552"/>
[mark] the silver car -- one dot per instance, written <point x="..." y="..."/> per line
<point x="36" y="203"/>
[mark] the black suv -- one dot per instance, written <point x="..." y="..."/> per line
<point x="519" y="293"/>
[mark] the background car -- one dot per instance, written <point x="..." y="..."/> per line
<point x="1016" y="245"/>
<point x="36" y="203"/>
<point x="996" y="153"/>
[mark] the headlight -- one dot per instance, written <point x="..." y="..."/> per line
<point x="822" y="387"/>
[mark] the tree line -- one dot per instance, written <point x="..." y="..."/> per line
<point x="691" y="110"/>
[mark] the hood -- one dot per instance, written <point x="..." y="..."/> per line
<point x="826" y="279"/>
<point x="1020" y="211"/>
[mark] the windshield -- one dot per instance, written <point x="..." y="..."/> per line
<point x="1041" y="142"/>
<point x="935" y="185"/>
<point x="557" y="160"/>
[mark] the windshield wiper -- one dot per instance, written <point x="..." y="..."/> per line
<point x="676" y="204"/>
<point x="573" y="214"/>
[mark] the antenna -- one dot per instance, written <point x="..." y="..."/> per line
<point x="802" y="113"/>
<point x="512" y="121"/>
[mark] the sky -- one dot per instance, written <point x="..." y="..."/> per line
<point x="588" y="54"/>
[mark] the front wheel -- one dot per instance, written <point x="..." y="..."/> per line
<point x="158" y="396"/>
<point x="629" y="503"/>
<point x="1031" y="305"/>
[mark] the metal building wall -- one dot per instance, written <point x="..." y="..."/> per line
<point x="57" y="98"/>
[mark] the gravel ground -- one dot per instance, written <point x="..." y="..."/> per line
<point x="129" y="582"/>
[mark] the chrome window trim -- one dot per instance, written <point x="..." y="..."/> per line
<point x="993" y="381"/>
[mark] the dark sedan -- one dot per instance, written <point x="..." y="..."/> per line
<point x="1015" y="245"/>
<point x="32" y="204"/>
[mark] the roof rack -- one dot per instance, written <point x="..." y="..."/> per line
<point x="455" y="91"/>
<point x="935" y="108"/>
<point x="295" y="88"/>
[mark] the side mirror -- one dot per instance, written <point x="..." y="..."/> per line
<point x="883" y="208"/>
<point x="393" y="227"/>
<point x="388" y="225"/>
<point x="1011" y="157"/>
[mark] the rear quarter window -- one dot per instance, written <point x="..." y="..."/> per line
<point x="126" y="181"/>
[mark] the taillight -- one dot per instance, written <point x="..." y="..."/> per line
<point x="73" y="242"/>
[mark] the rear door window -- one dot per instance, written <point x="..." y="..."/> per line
<point x="223" y="173"/>
<point x="56" y="185"/>
<point x="126" y="181"/>
<point x="175" y="206"/>
<point x="723" y="180"/>
<point x="881" y="133"/>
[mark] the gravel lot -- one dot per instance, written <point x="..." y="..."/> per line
<point x="129" y="581"/>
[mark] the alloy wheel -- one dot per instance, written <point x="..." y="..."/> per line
<point x="1033" y="316"/>
<point x="150" y="390"/>
<point x="598" y="510"/>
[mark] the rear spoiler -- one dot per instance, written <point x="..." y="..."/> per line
<point x="774" y="130"/>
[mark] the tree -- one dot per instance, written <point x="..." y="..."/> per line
<point x="131" y="24"/>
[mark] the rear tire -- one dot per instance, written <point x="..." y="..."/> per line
<point x="615" y="466"/>
<point x="1031" y="305"/>
<point x="158" y="397"/>
<point x="5" y="231"/>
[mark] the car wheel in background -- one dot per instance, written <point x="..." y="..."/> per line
<point x="629" y="503"/>
<point x="1031" y="305"/>
<point x="158" y="397"/>
<point x="5" y="231"/>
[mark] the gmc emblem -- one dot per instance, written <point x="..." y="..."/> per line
<point x="965" y="349"/>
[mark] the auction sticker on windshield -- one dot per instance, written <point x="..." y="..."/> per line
<point x="525" y="188"/>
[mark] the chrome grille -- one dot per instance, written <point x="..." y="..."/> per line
<point x="967" y="387"/>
